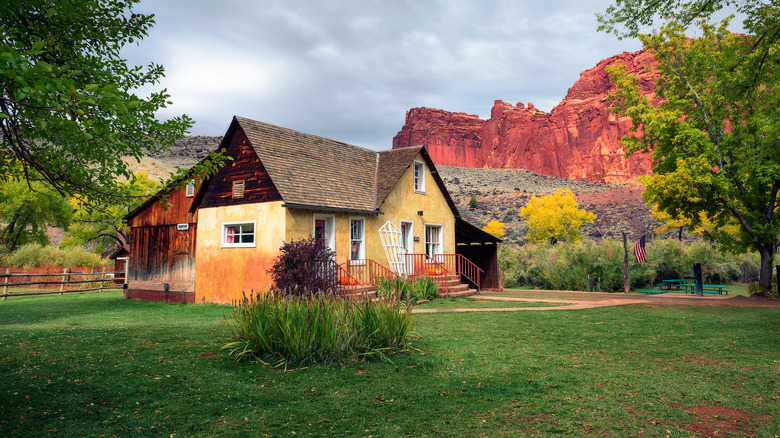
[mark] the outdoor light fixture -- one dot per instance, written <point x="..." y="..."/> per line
<point x="419" y="213"/>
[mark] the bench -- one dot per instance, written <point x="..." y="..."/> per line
<point x="652" y="291"/>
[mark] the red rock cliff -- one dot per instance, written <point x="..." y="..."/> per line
<point x="578" y="139"/>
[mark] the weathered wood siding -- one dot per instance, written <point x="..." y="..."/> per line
<point x="162" y="253"/>
<point x="171" y="211"/>
<point x="245" y="166"/>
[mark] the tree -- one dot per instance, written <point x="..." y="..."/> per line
<point x="714" y="131"/>
<point x="555" y="217"/>
<point x="495" y="228"/>
<point x="27" y="210"/>
<point x="704" y="227"/>
<point x="67" y="109"/>
<point x="105" y="226"/>
<point x="473" y="202"/>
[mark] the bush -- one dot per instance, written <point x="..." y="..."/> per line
<point x="283" y="331"/>
<point x="34" y="255"/>
<point x="419" y="289"/>
<point x="304" y="268"/>
<point x="599" y="266"/>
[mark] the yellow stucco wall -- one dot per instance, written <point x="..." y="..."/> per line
<point x="222" y="274"/>
<point x="403" y="204"/>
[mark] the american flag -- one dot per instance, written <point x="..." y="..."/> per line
<point x="639" y="251"/>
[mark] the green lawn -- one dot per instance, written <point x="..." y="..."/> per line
<point x="97" y="365"/>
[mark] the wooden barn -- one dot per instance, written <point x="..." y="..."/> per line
<point x="218" y="238"/>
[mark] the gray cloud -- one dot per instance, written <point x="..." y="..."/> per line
<point x="350" y="69"/>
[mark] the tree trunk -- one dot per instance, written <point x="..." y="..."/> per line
<point x="765" y="271"/>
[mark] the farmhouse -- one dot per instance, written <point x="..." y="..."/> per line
<point x="380" y="212"/>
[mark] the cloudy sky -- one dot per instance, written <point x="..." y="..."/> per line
<point x="350" y="69"/>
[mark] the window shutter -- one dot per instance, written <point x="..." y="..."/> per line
<point x="238" y="189"/>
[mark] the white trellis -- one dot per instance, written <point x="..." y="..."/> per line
<point x="391" y="242"/>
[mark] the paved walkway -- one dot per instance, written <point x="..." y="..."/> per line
<point x="588" y="300"/>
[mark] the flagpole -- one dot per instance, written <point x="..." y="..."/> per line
<point x="626" y="278"/>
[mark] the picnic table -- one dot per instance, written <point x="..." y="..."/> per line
<point x="719" y="289"/>
<point x="669" y="284"/>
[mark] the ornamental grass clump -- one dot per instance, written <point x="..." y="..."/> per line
<point x="284" y="331"/>
<point x="420" y="289"/>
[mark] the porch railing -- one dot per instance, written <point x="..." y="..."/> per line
<point x="420" y="265"/>
<point x="461" y="266"/>
<point x="346" y="283"/>
<point x="367" y="271"/>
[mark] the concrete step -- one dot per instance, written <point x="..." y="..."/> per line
<point x="464" y="293"/>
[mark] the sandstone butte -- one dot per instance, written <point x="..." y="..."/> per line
<point x="579" y="139"/>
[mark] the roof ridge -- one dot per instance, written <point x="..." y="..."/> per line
<point x="314" y="136"/>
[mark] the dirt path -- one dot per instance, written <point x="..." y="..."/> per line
<point x="589" y="300"/>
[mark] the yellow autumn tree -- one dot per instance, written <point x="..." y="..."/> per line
<point x="554" y="218"/>
<point x="495" y="228"/>
<point x="704" y="227"/>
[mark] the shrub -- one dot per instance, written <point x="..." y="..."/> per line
<point x="283" y="331"/>
<point x="423" y="288"/>
<point x="419" y="289"/>
<point x="304" y="267"/>
<point x="34" y="255"/>
<point x="26" y="256"/>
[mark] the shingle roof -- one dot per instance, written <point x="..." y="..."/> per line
<point x="311" y="170"/>
<point x="315" y="171"/>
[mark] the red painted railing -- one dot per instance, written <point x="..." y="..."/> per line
<point x="460" y="265"/>
<point x="346" y="283"/>
<point x="420" y="265"/>
<point x="368" y="271"/>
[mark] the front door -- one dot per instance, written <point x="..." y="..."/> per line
<point x="324" y="229"/>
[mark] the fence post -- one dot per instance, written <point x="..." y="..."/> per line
<point x="64" y="279"/>
<point x="5" y="283"/>
<point x="103" y="278"/>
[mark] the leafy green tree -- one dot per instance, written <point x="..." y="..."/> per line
<point x="104" y="226"/>
<point x="714" y="131"/>
<point x="27" y="210"/>
<point x="68" y="111"/>
<point x="555" y="217"/>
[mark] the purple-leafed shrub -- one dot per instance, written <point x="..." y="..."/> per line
<point x="304" y="267"/>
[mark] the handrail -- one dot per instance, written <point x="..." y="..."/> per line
<point x="462" y="266"/>
<point x="418" y="265"/>
<point x="346" y="282"/>
<point x="368" y="271"/>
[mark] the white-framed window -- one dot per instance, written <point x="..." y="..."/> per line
<point x="238" y="189"/>
<point x="407" y="236"/>
<point x="433" y="236"/>
<point x="324" y="228"/>
<point x="190" y="190"/>
<point x="357" y="238"/>
<point x="419" y="176"/>
<point x="239" y="234"/>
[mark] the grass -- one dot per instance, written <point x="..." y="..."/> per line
<point x="94" y="364"/>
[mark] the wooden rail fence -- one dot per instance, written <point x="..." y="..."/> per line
<point x="66" y="282"/>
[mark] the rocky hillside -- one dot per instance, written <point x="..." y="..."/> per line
<point x="500" y="193"/>
<point x="579" y="139"/>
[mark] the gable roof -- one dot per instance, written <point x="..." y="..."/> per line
<point x="316" y="172"/>
<point x="311" y="170"/>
